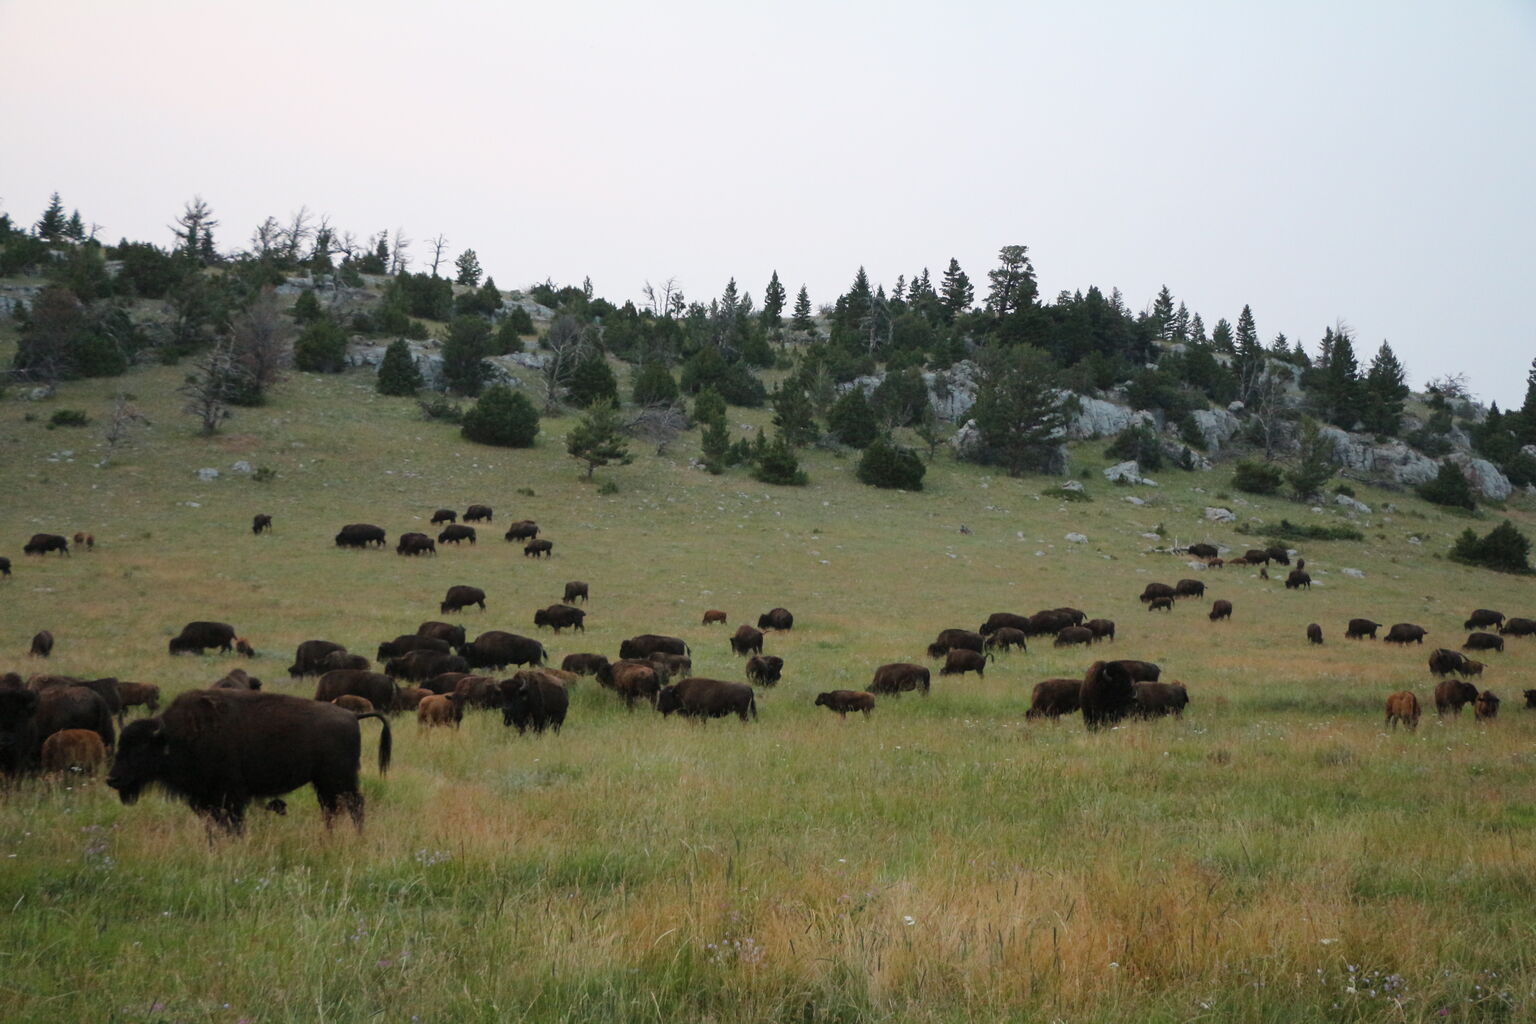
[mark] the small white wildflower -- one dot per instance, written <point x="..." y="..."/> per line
<point x="1329" y="942"/>
<point x="909" y="920"/>
<point x="1113" y="964"/>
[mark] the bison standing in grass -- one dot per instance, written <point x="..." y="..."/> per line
<point x="1108" y="694"/>
<point x="958" y="662"/>
<point x="523" y="529"/>
<point x="747" y="641"/>
<point x="575" y="590"/>
<point x="455" y="533"/>
<point x="1157" y="699"/>
<point x="1406" y="633"/>
<point x="765" y="669"/>
<point x="632" y="680"/>
<point x="42" y="645"/>
<point x="844" y="701"/>
<point x="1053" y="698"/>
<point x="262" y="523"/>
<point x="1452" y="694"/>
<point x="1221" y="610"/>
<point x="646" y="644"/>
<point x="1403" y="707"/>
<point x="537" y="548"/>
<point x="219" y="749"/>
<point x="965" y="639"/>
<point x="1486" y="707"/>
<point x="1314" y="633"/>
<point x="1361" y="628"/>
<point x="900" y="677"/>
<point x="376" y="688"/>
<point x="42" y="543"/>
<point x="1518" y="627"/>
<point x="533" y="700"/>
<point x="560" y="616"/>
<point x="73" y="748"/>
<point x="360" y="535"/>
<point x="461" y="597"/>
<point x="1483" y="642"/>
<point x="776" y="618"/>
<point x="199" y="636"/>
<point x="697" y="697"/>
<point x="1482" y="617"/>
<point x="1073" y="635"/>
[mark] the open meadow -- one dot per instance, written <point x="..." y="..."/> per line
<point x="1274" y="855"/>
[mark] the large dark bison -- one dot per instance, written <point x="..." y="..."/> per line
<point x="19" y="743"/>
<point x="405" y="643"/>
<point x="1403" y="707"/>
<point x="1406" y="633"/>
<point x="747" y="640"/>
<point x="444" y="631"/>
<point x="900" y="677"/>
<point x="1444" y="662"/>
<point x="844" y="701"/>
<point x="460" y="597"/>
<point x="631" y="679"/>
<point x="444" y="515"/>
<point x="1154" y="700"/>
<point x="73" y="707"/>
<point x="523" y="529"/>
<point x="560" y="616"/>
<point x="1256" y="556"/>
<point x="42" y="644"/>
<point x="42" y="543"/>
<point x="1189" y="588"/>
<point x="1050" y="621"/>
<point x="1004" y="639"/>
<point x="341" y="659"/>
<point x="1203" y="550"/>
<point x="1298" y="579"/>
<point x="575" y="590"/>
<point x="237" y="679"/>
<point x="419" y="666"/>
<point x="1153" y="591"/>
<point x="961" y="638"/>
<point x="5" y="566"/>
<point x="108" y="689"/>
<point x="1053" y="698"/>
<point x="1481" y="617"/>
<point x="776" y="618"/>
<point x="698" y="697"/>
<point x="1102" y="629"/>
<point x="997" y="620"/>
<point x="415" y="544"/>
<point x="537" y="548"/>
<point x="584" y="664"/>
<point x="646" y="644"/>
<point x="533" y="700"/>
<point x="358" y="535"/>
<point x="1314" y="633"/>
<point x="199" y="636"/>
<point x="1139" y="671"/>
<point x="1518" y="627"/>
<point x="496" y="649"/>
<point x="262" y="523"/>
<point x="375" y="687"/>
<point x="456" y="533"/>
<point x="1221" y="609"/>
<point x="1483" y="642"/>
<point x="1073" y="635"/>
<point x="220" y="749"/>
<point x="1108" y="694"/>
<point x="309" y="659"/>
<point x="1360" y="628"/>
<point x="1452" y="694"/>
<point x="1075" y="616"/>
<point x="765" y="670"/>
<point x="476" y="513"/>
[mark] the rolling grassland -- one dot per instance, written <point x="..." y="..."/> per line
<point x="1275" y="855"/>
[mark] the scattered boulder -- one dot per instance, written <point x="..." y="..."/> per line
<point x="1076" y="538"/>
<point x="1220" y="515"/>
<point x="1346" y="501"/>
<point x="207" y="474"/>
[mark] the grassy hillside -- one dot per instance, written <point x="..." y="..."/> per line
<point x="1273" y="856"/>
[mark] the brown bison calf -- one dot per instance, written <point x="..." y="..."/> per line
<point x="714" y="615"/>
<point x="1053" y="698"/>
<point x="135" y="694"/>
<point x="1221" y="610"/>
<point x="354" y="703"/>
<point x="958" y="662"/>
<point x="74" y="748"/>
<point x="632" y="679"/>
<point x="1452" y="694"/>
<point x="1486" y="706"/>
<point x="437" y="709"/>
<point x="1403" y="707"/>
<point x="1006" y="638"/>
<point x="1314" y="633"/>
<point x="1164" y="604"/>
<point x="844" y="701"/>
<point x="42" y="645"/>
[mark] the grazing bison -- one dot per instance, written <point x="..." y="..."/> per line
<point x="1255" y="556"/>
<point x="1314" y="633"/>
<point x="1483" y="642"/>
<point x="1053" y="698"/>
<point x="1139" y="671"/>
<point x="19" y="741"/>
<point x="963" y="639"/>
<point x="74" y="707"/>
<point x="73" y="748"/>
<point x="1481" y="617"/>
<point x="420" y="665"/>
<point x="1402" y="707"/>
<point x="1164" y="604"/>
<point x="1446" y="663"/>
<point x="475" y="691"/>
<point x="42" y="543"/>
<point x="1076" y="616"/>
<point x="444" y="515"/>
<point x="1406" y="633"/>
<point x="535" y="548"/>
<point x="1074" y="635"/>
<point x="1154" y="700"/>
<point x="404" y="644"/>
<point x="1518" y="627"/>
<point x="959" y="661"/>
<point x="437" y="709"/>
<point x="1108" y="694"/>
<point x="199" y="636"/>
<point x="108" y="689"/>
<point x="1047" y="622"/>
<point x="1298" y="579"/>
<point x="533" y="700"/>
<point x="1154" y="591"/>
<point x="1452" y="694"/>
<point x="1221" y="610"/>
<point x="454" y="534"/>
<point x="1102" y="629"/>
<point x="1005" y="639"/>
<point x="42" y="644"/>
<point x="765" y="670"/>
<point x="560" y="616"/>
<point x="237" y="679"/>
<point x="476" y="513"/>
<point x="219" y="749"/>
<point x="445" y="682"/>
<point x="575" y="590"/>
<point x="1281" y="556"/>
<point x="445" y="631"/>
<point x="1203" y="550"/>
<point x="360" y="535"/>
<point x="584" y="664"/>
<point x="523" y="529"/>
<point x="646" y="644"/>
<point x="461" y="597"/>
<point x="1359" y="628"/>
<point x="341" y="659"/>
<point x="900" y="677"/>
<point x="376" y="688"/>
<point x="309" y="659"/>
<point x="146" y="695"/>
<point x="1486" y="706"/>
<point x="1189" y="588"/>
<point x="631" y="679"/>
<point x="496" y="649"/>
<point x="697" y="697"/>
<point x="669" y="665"/>
<point x="997" y="620"/>
<point x="408" y="698"/>
<point x="415" y="544"/>
<point x="844" y="701"/>
<point x="357" y="705"/>
<point x="714" y="615"/>
<point x="86" y="540"/>
<point x="776" y="618"/>
<point x="261" y="524"/>
<point x="747" y="640"/>
<point x="5" y="566"/>
<point x="243" y="647"/>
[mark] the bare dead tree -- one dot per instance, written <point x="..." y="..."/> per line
<point x="439" y="249"/>
<point x="267" y="238"/>
<point x="660" y="298"/>
<point x="657" y="423"/>
<point x="1272" y="420"/>
<point x="194" y="228"/>
<point x="262" y="339"/>
<point x="296" y="234"/>
<point x="208" y="387"/>
<point x="567" y="341"/>
<point x="124" y="418"/>
<point x="398" y="260"/>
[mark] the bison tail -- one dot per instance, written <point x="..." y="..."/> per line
<point x="752" y="706"/>
<point x="989" y="656"/>
<point x="386" y="741"/>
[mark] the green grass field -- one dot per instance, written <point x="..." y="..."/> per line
<point x="1273" y="856"/>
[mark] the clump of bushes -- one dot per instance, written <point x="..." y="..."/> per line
<point x="1504" y="549"/>
<point x="1138" y="442"/>
<point x="1288" y="530"/>
<point x="1257" y="477"/>
<point x="68" y="418"/>
<point x="502" y="417"/>
<point x="1449" y="488"/>
<point x="888" y="465"/>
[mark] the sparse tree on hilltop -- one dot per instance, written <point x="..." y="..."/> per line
<point x="398" y="374"/>
<point x="596" y="440"/>
<point x="468" y="266"/>
<point x="801" y="319"/>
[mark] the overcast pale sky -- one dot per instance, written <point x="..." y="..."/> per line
<point x="1371" y="160"/>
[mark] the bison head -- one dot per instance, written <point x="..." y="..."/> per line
<point x="823" y="700"/>
<point x="541" y="617"/>
<point x="143" y="751"/>
<point x="668" y="700"/>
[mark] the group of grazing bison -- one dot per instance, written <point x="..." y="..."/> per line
<point x="363" y="535"/>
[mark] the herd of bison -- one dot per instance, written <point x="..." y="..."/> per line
<point x="222" y="747"/>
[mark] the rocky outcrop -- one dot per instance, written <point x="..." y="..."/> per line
<point x="1393" y="461"/>
<point x="428" y="362"/>
<point x="952" y="391"/>
<point x="1484" y="476"/>
<point x="1216" y="426"/>
<point x="1098" y="418"/>
<point x="1127" y="473"/>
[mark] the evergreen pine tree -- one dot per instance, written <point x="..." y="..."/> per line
<point x="1197" y="330"/>
<point x="958" y="294"/>
<point x="1221" y="337"/>
<point x="1179" y="328"/>
<point x="654" y="385"/>
<point x="1247" y="333"/>
<point x="775" y="463"/>
<point x="490" y="297"/>
<point x="596" y="440"/>
<point x="1523" y="420"/>
<point x="1314" y="462"/>
<point x="75" y="229"/>
<point x="1339" y="392"/>
<point x="464" y="352"/>
<point x="773" y="303"/>
<point x="592" y="381"/>
<point x="502" y="417"/>
<point x="1449" y="488"/>
<point x="1012" y="286"/>
<point x="801" y="320"/>
<point x="889" y="465"/>
<point x="1163" y="314"/>
<point x="51" y="227"/>
<point x="468" y="265"/>
<point x="1385" y="390"/>
<point x="792" y="414"/>
<point x="715" y="443"/>
<point x="709" y="406"/>
<point x="321" y="347"/>
<point x="851" y="419"/>
<point x="398" y="374"/>
<point x="306" y="308"/>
